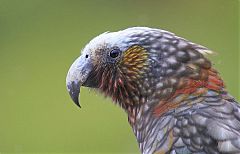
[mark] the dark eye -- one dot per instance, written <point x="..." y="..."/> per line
<point x="114" y="53"/>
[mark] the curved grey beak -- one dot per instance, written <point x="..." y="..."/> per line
<point x="77" y="76"/>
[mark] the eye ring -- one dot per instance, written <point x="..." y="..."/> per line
<point x="114" y="53"/>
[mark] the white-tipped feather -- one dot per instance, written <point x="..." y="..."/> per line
<point x="205" y="51"/>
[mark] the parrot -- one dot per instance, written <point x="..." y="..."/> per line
<point x="175" y="101"/>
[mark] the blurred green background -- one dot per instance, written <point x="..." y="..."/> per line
<point x="39" y="39"/>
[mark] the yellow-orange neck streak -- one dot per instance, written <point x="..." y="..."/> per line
<point x="134" y="62"/>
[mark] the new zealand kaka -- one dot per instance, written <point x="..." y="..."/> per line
<point x="175" y="100"/>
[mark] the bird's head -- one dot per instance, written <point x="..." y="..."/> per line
<point x="130" y="65"/>
<point x="115" y="63"/>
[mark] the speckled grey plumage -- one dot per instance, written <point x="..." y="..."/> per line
<point x="211" y="125"/>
